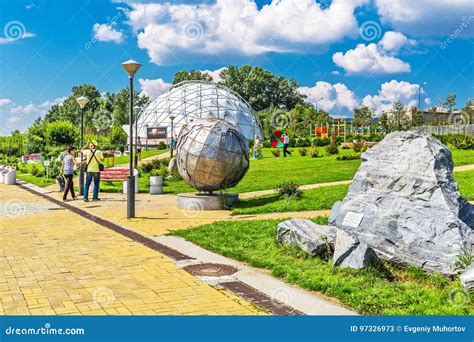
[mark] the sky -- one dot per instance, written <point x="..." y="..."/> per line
<point x="348" y="53"/>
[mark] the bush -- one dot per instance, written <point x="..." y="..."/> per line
<point x="289" y="189"/>
<point x="321" y="141"/>
<point x="332" y="149"/>
<point x="266" y="144"/>
<point x="162" y="145"/>
<point x="314" y="152"/>
<point x="357" y="146"/>
<point x="61" y="133"/>
<point x="459" y="141"/>
<point x="276" y="153"/>
<point x="348" y="157"/>
<point x="35" y="170"/>
<point x="118" y="137"/>
<point x="153" y="164"/>
<point x="303" y="151"/>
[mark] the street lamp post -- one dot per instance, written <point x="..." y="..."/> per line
<point x="172" y="117"/>
<point x="317" y="102"/>
<point x="131" y="67"/>
<point x="136" y="110"/>
<point x="82" y="101"/>
<point x="419" y="94"/>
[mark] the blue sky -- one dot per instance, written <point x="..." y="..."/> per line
<point x="348" y="52"/>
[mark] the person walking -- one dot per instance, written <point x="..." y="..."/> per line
<point x="94" y="164"/>
<point x="139" y="148"/>
<point x="256" y="145"/>
<point x="67" y="169"/>
<point x="286" y="143"/>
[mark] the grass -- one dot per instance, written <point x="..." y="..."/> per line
<point x="145" y="154"/>
<point x="462" y="157"/>
<point x="314" y="199"/>
<point x="397" y="291"/>
<point x="465" y="182"/>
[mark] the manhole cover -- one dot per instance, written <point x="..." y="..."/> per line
<point x="211" y="270"/>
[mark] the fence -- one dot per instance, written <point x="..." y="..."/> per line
<point x="449" y="129"/>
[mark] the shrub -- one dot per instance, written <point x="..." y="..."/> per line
<point x="332" y="149"/>
<point x="357" y="146"/>
<point x="276" y="153"/>
<point x="266" y="144"/>
<point x="162" y="171"/>
<point x="34" y="170"/>
<point x="161" y="145"/>
<point x="348" y="157"/>
<point x="459" y="141"/>
<point x="289" y="189"/>
<point x="321" y="141"/>
<point x="303" y="151"/>
<point x="314" y="152"/>
<point x="61" y="133"/>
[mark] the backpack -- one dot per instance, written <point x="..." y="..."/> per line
<point x="61" y="183"/>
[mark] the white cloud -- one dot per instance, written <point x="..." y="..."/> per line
<point x="215" y="74"/>
<point x="106" y="33"/>
<point x="47" y="104"/>
<point x="27" y="109"/>
<point x="427" y="17"/>
<point x="153" y="88"/>
<point x="369" y="59"/>
<point x="4" y="102"/>
<point x="391" y="92"/>
<point x="239" y="27"/>
<point x="336" y="99"/>
<point x="395" y="41"/>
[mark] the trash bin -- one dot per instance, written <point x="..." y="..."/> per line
<point x="9" y="178"/>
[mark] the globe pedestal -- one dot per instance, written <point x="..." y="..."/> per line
<point x="206" y="201"/>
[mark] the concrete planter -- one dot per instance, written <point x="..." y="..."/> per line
<point x="156" y="185"/>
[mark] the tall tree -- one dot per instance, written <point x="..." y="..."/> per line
<point x="362" y="117"/>
<point x="416" y="116"/>
<point x="398" y="118"/>
<point x="450" y="101"/>
<point x="261" y="88"/>
<point x="193" y="75"/>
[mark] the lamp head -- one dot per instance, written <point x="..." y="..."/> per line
<point x="131" y="67"/>
<point x="82" y="101"/>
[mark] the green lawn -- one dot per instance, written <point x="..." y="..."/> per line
<point x="396" y="291"/>
<point x="465" y="182"/>
<point x="145" y="154"/>
<point x="324" y="198"/>
<point x="462" y="157"/>
<point x="314" y="199"/>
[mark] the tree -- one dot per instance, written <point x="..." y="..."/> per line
<point x="398" y="118"/>
<point x="305" y="117"/>
<point x="416" y="116"/>
<point x="362" y="117"/>
<point x="35" y="137"/>
<point x="450" y="101"/>
<point x="61" y="133"/>
<point x="261" y="88"/>
<point x="118" y="137"/>
<point x="384" y="122"/>
<point x="196" y="75"/>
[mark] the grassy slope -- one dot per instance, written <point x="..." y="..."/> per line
<point x="406" y="291"/>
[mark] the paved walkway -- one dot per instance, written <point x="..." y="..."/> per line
<point x="53" y="261"/>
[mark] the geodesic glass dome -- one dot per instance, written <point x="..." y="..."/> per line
<point x="191" y="100"/>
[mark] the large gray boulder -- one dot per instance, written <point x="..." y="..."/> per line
<point x="309" y="236"/>
<point x="404" y="203"/>
<point x="467" y="278"/>
<point x="350" y="252"/>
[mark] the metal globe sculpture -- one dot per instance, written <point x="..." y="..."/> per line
<point x="212" y="154"/>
